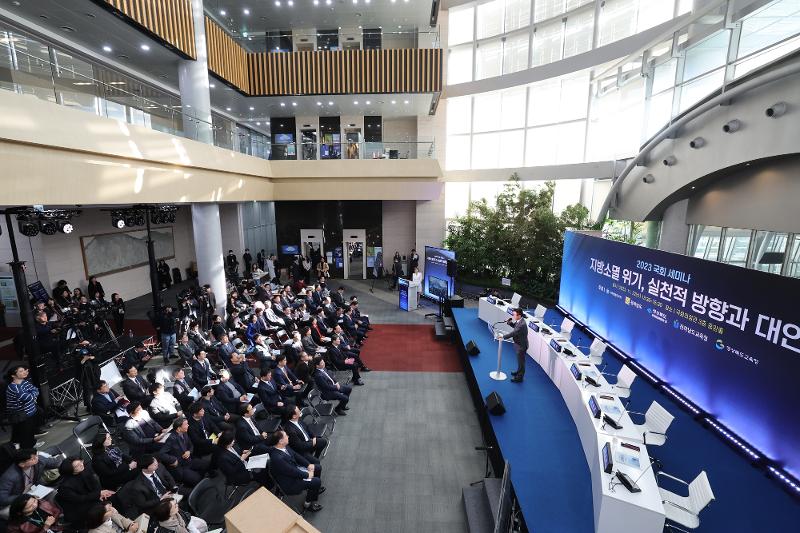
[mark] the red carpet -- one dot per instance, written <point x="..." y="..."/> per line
<point x="408" y="348"/>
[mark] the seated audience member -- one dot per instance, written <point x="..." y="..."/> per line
<point x="248" y="434"/>
<point x="189" y="469"/>
<point x="328" y="387"/>
<point x="112" y="465"/>
<point x="338" y="297"/>
<point x="263" y="353"/>
<point x="271" y="316"/>
<point x="164" y="408"/>
<point x="308" y="342"/>
<point x="241" y="373"/>
<point x="293" y="473"/>
<point x="200" y="339"/>
<point x="218" y="328"/>
<point x="142" y="433"/>
<point x="25" y="472"/>
<point x="153" y="484"/>
<point x="135" y="387"/>
<point x="342" y="361"/>
<point x="171" y="518"/>
<point x="301" y="439"/>
<point x="230" y="393"/>
<point x="79" y="490"/>
<point x="253" y="329"/>
<point x="352" y="328"/>
<point x="104" y="518"/>
<point x="29" y="514"/>
<point x="362" y="320"/>
<point x="285" y="379"/>
<point x="225" y="350"/>
<point x="201" y="429"/>
<point x="235" y="324"/>
<point x="186" y="349"/>
<point x="216" y="411"/>
<point x="233" y="463"/>
<point x="268" y="393"/>
<point x="202" y="372"/>
<point x="304" y="368"/>
<point x="319" y="333"/>
<point x="181" y="387"/>
<point x="106" y="402"/>
<point x="137" y="357"/>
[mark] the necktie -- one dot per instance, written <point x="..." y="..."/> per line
<point x="328" y="376"/>
<point x="303" y="431"/>
<point x="203" y="425"/>
<point x="157" y="485"/>
<point x="252" y="426"/>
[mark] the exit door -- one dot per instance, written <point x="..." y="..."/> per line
<point x="354" y="244"/>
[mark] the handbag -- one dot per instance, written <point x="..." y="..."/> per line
<point x="15" y="417"/>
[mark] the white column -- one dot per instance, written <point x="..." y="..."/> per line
<point x="674" y="229"/>
<point x="208" y="250"/>
<point x="194" y="84"/>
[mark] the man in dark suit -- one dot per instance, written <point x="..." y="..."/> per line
<point x="241" y="373"/>
<point x="225" y="349"/>
<point x="145" y="491"/>
<point x="268" y="392"/>
<point x="248" y="434"/>
<point x="181" y="387"/>
<point x="301" y="438"/>
<point x="342" y="361"/>
<point x="233" y="463"/>
<point x="304" y="368"/>
<point x="329" y="388"/>
<point x="201" y="370"/>
<point x="216" y="411"/>
<point x="287" y="382"/>
<point x="143" y="434"/>
<point x="293" y="473"/>
<point x="520" y="336"/>
<point x="201" y="428"/>
<point x="105" y="403"/>
<point x="338" y="297"/>
<point x="26" y="470"/>
<point x="186" y="349"/>
<point x="190" y="469"/>
<point x="230" y="393"/>
<point x="135" y="387"/>
<point x="352" y="329"/>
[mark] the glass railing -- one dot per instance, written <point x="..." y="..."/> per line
<point x="354" y="150"/>
<point x="288" y="41"/>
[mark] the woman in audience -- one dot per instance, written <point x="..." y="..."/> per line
<point x="171" y="519"/>
<point x="103" y="518"/>
<point x="118" y="310"/>
<point x="77" y="294"/>
<point x="64" y="299"/>
<point x="29" y="514"/>
<point x="113" y="467"/>
<point x="95" y="287"/>
<point x="79" y="489"/>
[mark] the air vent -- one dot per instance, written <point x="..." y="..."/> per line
<point x="68" y="29"/>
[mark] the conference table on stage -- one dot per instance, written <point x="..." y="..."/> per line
<point x="615" y="508"/>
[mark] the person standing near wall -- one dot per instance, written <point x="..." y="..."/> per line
<point x="23" y="414"/>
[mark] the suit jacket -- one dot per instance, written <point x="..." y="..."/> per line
<point x="338" y="299"/>
<point x="177" y="444"/>
<point x="135" y="391"/>
<point x="337" y="355"/>
<point x="181" y="390"/>
<point x="139" y="496"/>
<point x="297" y="441"/>
<point x="224" y="351"/>
<point x="519" y="334"/>
<point x="12" y="482"/>
<point x="215" y="410"/>
<point x="227" y="397"/>
<point x="233" y="468"/>
<point x="349" y="325"/>
<point x="288" y="379"/>
<point x="201" y="373"/>
<point x="76" y="494"/>
<point x="200" y="432"/>
<point x="102" y="406"/>
<point x="309" y="345"/>
<point x="111" y="476"/>
<point x="242" y="374"/>
<point x="326" y="386"/>
<point x="303" y="371"/>
<point x="245" y="436"/>
<point x="285" y="468"/>
<point x="268" y="394"/>
<point x="186" y="351"/>
<point x="139" y="434"/>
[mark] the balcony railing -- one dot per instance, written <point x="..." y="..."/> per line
<point x="309" y="151"/>
<point x="289" y="41"/>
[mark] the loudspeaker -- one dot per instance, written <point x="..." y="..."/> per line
<point x="494" y="404"/>
<point x="472" y="348"/>
<point x="452" y="268"/>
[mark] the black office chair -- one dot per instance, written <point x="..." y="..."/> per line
<point x="85" y="432"/>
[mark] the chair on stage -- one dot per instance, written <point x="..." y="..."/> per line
<point x="565" y="331"/>
<point x="656" y="422"/>
<point x="622" y="387"/>
<point x="685" y="510"/>
<point x="538" y="313"/>
<point x="85" y="432"/>
<point x="596" y="351"/>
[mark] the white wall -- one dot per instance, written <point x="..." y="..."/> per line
<point x="64" y="256"/>
<point x="674" y="229"/>
<point x="399" y="227"/>
<point x="430" y="223"/>
<point x="232" y="230"/>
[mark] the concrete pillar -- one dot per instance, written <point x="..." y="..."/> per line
<point x="674" y="229"/>
<point x="194" y="84"/>
<point x="208" y="250"/>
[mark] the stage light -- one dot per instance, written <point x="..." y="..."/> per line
<point x="117" y="221"/>
<point x="28" y="228"/>
<point x="732" y="126"/>
<point x="697" y="142"/>
<point x="155" y="218"/>
<point x="64" y="226"/>
<point x="48" y="227"/>
<point x="776" y="110"/>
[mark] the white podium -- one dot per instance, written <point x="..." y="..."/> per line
<point x="498" y="329"/>
<point x="414" y="288"/>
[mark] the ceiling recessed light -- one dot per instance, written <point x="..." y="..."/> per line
<point x="267" y="123"/>
<point x="223" y="12"/>
<point x="319" y="103"/>
<point x="106" y="48"/>
<point x="367" y="102"/>
<point x="258" y="123"/>
<point x="283" y="104"/>
<point x="252" y="108"/>
<point x="227" y="109"/>
<point x="145" y="47"/>
<point x="290" y="3"/>
<point x="399" y="27"/>
<point x="405" y="102"/>
<point x="294" y="104"/>
<point x="328" y="2"/>
<point x="355" y="1"/>
<point x="394" y="102"/>
<point x="244" y="34"/>
<point x="355" y="102"/>
<point x="246" y="11"/>
<point x="278" y="3"/>
<point x="330" y="103"/>
<point x="211" y="85"/>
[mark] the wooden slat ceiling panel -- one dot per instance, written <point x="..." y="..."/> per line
<point x="170" y="20"/>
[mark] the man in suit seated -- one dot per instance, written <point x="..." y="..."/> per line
<point x="248" y="434"/>
<point x="301" y="438"/>
<point x="262" y="352"/>
<point x="304" y="368"/>
<point x="201" y="429"/>
<point x="230" y="393"/>
<point x="190" y="469"/>
<point x="181" y="387"/>
<point x="186" y="349"/>
<point x="338" y="297"/>
<point x="342" y="361"/>
<point x="106" y="402"/>
<point x="353" y="328"/>
<point x="233" y="463"/>
<point x="202" y="372"/>
<point x="145" y="491"/>
<point x="216" y="411"/>
<point x="225" y="350"/>
<point x="218" y="328"/>
<point x="285" y="379"/>
<point x="268" y="393"/>
<point x="362" y="320"/>
<point x="135" y="387"/>
<point x="293" y="473"/>
<point x="143" y="434"/>
<point x="164" y="408"/>
<point x="241" y="373"/>
<point x="137" y="357"/>
<point x="328" y="387"/>
<point x="25" y="471"/>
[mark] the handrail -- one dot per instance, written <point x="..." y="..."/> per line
<point x="736" y="90"/>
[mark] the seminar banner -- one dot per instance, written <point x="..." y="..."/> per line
<point x="726" y="337"/>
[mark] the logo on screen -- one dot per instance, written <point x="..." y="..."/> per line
<point x="719" y="345"/>
<point x="649" y="310"/>
<point x="676" y="324"/>
<point x="627" y="300"/>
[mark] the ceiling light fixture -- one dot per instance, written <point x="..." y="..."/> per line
<point x="355" y="102"/>
<point x="290" y="2"/>
<point x="145" y="47"/>
<point x="367" y="102"/>
<point x="211" y="85"/>
<point x="294" y="104"/>
<point x="258" y="123"/>
<point x="405" y="102"/>
<point x="246" y="11"/>
<point x="278" y="3"/>
<point x="227" y="109"/>
<point x="106" y="48"/>
<point x="319" y="103"/>
<point x="328" y="2"/>
<point x="330" y="103"/>
<point x="223" y="12"/>
<point x="252" y="108"/>
<point x="283" y="104"/>
<point x="394" y="102"/>
<point x="316" y="2"/>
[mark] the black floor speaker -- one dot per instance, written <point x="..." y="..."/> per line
<point x="494" y="403"/>
<point x="472" y="348"/>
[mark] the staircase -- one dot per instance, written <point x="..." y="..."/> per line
<point x="481" y="503"/>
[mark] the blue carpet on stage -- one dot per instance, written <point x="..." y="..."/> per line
<point x="549" y="472"/>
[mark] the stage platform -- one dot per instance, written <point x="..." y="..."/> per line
<point x="536" y="436"/>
